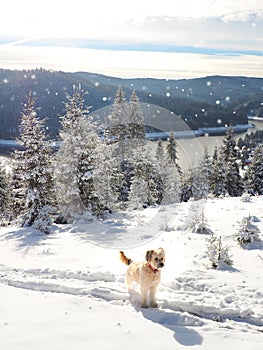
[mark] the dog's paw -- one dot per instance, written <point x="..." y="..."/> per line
<point x="154" y="305"/>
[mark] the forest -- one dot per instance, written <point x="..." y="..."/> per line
<point x="92" y="175"/>
<point x="198" y="102"/>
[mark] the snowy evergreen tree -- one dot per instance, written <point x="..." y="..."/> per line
<point x="229" y="146"/>
<point x="146" y="172"/>
<point x="107" y="179"/>
<point x="187" y="185"/>
<point x="202" y="174"/>
<point x="218" y="254"/>
<point x="230" y="156"/>
<point x="32" y="179"/>
<point x="159" y="154"/>
<point x="171" y="182"/>
<point x="4" y="190"/>
<point x="119" y="130"/>
<point x="255" y="172"/>
<point x="75" y="160"/>
<point x="247" y="232"/>
<point x="171" y="152"/>
<point x="218" y="175"/>
<point x="136" y="132"/>
<point x="138" y="193"/>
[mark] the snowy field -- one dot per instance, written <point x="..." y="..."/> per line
<point x="67" y="290"/>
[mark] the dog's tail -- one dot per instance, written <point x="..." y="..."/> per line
<point x="124" y="259"/>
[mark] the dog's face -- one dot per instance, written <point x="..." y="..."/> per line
<point x="156" y="258"/>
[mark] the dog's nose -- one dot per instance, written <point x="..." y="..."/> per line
<point x="161" y="264"/>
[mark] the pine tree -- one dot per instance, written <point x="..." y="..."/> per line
<point x="171" y="185"/>
<point x="218" y="175"/>
<point x="171" y="152"/>
<point x="3" y="192"/>
<point x="159" y="154"/>
<point x="76" y="160"/>
<point x="234" y="183"/>
<point x="255" y="172"/>
<point x="107" y="179"/>
<point x="187" y="185"/>
<point x="218" y="254"/>
<point x="119" y="130"/>
<point x="146" y="172"/>
<point x="247" y="232"/>
<point x="32" y="180"/>
<point x="228" y="148"/>
<point x="202" y="174"/>
<point x="136" y="132"/>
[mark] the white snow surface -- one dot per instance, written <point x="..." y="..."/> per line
<point x="67" y="290"/>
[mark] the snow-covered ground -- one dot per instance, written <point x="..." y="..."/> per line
<point x="67" y="290"/>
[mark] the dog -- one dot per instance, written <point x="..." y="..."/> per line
<point x="147" y="274"/>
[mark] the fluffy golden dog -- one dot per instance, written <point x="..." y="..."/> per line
<point x="147" y="274"/>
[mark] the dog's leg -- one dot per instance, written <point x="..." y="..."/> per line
<point x="144" y="292"/>
<point x="153" y="296"/>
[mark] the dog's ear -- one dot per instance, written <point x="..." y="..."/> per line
<point x="162" y="251"/>
<point x="148" y="255"/>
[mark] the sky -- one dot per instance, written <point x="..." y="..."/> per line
<point x="170" y="39"/>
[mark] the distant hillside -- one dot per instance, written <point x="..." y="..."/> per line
<point x="199" y="102"/>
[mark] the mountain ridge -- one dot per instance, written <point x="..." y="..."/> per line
<point x="200" y="102"/>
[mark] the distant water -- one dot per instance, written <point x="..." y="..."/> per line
<point x="190" y="150"/>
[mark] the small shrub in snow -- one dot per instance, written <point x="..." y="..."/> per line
<point x="166" y="227"/>
<point x="246" y="197"/>
<point x="217" y="253"/>
<point x="43" y="223"/>
<point x="197" y="222"/>
<point x="247" y="232"/>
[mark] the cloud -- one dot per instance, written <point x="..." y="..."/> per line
<point x="185" y="37"/>
<point x="130" y="63"/>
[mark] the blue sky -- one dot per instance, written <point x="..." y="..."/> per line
<point x="164" y="39"/>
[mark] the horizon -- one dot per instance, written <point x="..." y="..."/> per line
<point x="125" y="78"/>
<point x="172" y="40"/>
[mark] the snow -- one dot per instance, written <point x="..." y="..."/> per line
<point x="67" y="290"/>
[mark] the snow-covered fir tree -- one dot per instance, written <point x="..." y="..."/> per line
<point x="159" y="154"/>
<point x="171" y="152"/>
<point x="247" y="231"/>
<point x="228" y="152"/>
<point x="32" y="173"/>
<point x="3" y="192"/>
<point x="218" y="254"/>
<point x="202" y="174"/>
<point x="119" y="130"/>
<point x="218" y="175"/>
<point x="171" y="184"/>
<point x="75" y="160"/>
<point x="187" y="180"/>
<point x="107" y="179"/>
<point x="146" y="172"/>
<point x="229" y="146"/>
<point x="138" y="192"/>
<point x="255" y="172"/>
<point x="136" y="133"/>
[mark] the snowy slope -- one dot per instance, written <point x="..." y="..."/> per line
<point x="67" y="290"/>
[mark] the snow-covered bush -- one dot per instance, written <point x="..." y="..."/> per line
<point x="217" y="253"/>
<point x="246" y="197"/>
<point x="196" y="220"/>
<point x="247" y="232"/>
<point x="43" y="222"/>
